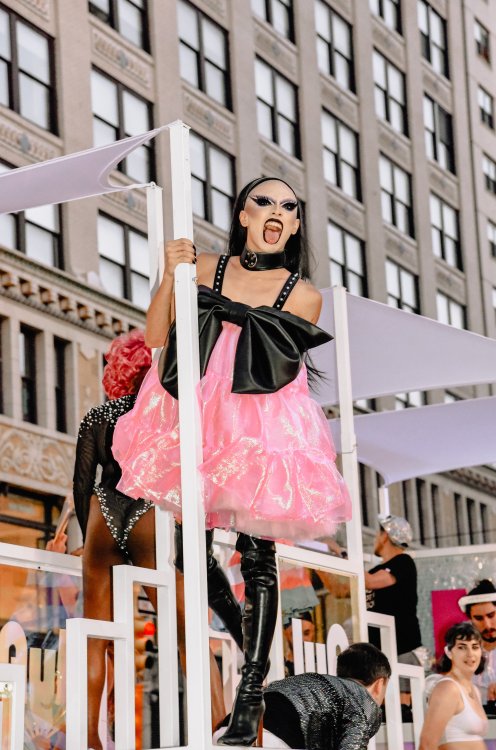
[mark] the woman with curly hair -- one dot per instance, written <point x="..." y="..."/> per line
<point x="455" y="718"/>
<point x="117" y="529"/>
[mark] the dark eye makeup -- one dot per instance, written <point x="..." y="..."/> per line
<point x="264" y="200"/>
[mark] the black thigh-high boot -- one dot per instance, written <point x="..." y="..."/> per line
<point x="220" y="596"/>
<point x="258" y="567"/>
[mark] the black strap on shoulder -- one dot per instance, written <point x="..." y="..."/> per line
<point x="286" y="290"/>
<point x="219" y="273"/>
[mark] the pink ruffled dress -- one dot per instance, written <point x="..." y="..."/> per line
<point x="268" y="458"/>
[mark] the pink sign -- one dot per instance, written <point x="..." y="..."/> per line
<point x="445" y="613"/>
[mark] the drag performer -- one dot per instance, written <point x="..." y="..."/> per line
<point x="117" y="529"/>
<point x="268" y="468"/>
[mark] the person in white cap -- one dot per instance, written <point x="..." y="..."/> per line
<point x="392" y="590"/>
<point x="480" y="605"/>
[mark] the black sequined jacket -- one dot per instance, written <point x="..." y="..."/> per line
<point x="322" y="712"/>
<point x="93" y="449"/>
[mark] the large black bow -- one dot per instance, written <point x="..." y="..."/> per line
<point x="270" y="348"/>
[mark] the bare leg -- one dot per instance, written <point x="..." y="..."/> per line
<point x="141" y="545"/>
<point x="141" y="548"/>
<point x="100" y="554"/>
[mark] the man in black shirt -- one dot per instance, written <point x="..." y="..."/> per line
<point x="392" y="590"/>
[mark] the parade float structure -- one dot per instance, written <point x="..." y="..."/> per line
<point x="377" y="351"/>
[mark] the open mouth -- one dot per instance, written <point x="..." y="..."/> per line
<point x="272" y="231"/>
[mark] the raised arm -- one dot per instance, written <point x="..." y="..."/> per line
<point x="380" y="580"/>
<point x="85" y="467"/>
<point x="160" y="314"/>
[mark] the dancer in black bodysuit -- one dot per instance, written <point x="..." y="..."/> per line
<point x="117" y="529"/>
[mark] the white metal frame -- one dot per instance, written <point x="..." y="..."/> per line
<point x="394" y="725"/>
<point x="317" y="657"/>
<point x="198" y="685"/>
<point x="15" y="674"/>
<point x="229" y="655"/>
<point x="349" y="455"/>
<point x="193" y="517"/>
<point x="79" y="630"/>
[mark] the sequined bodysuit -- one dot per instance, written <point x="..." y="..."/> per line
<point x="321" y="712"/>
<point x="94" y="448"/>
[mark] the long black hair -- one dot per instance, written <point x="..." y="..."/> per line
<point x="297" y="251"/>
<point x="462" y="631"/>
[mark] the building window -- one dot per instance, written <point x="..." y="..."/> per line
<point x="482" y="41"/>
<point x="396" y="196"/>
<point x="277" y="108"/>
<point x="445" y="232"/>
<point x="485" y="528"/>
<point x="460" y="532"/>
<point x="203" y="53"/>
<point x="423" y="500"/>
<point x="390" y="93"/>
<point x="118" y="113"/>
<point x="334" y="45"/>
<point x="279" y="13"/>
<point x="34" y="232"/>
<point x="486" y="107"/>
<point x="389" y="11"/>
<point x="489" y="170"/>
<point x="491" y="237"/>
<point x="439" y="134"/>
<point x="29" y="520"/>
<point x="408" y="400"/>
<point x="212" y="180"/>
<point x="472" y="521"/>
<point x="27" y="368"/>
<point x="451" y="398"/>
<point x="450" y="312"/>
<point x="60" y="351"/>
<point x="340" y="154"/>
<point x="39" y="235"/>
<point x="347" y="260"/>
<point x="433" y="40"/>
<point x="402" y="288"/>
<point x="124" y="261"/>
<point x="494" y="302"/>
<point x="128" y="17"/>
<point x="27" y="78"/>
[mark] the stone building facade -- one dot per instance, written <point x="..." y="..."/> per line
<point x="380" y="114"/>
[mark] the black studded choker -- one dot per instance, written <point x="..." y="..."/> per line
<point x="262" y="261"/>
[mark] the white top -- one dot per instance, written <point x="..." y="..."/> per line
<point x="467" y="726"/>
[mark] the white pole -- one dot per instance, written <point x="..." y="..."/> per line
<point x="124" y="578"/>
<point x="349" y="449"/>
<point x="14" y="675"/>
<point x="384" y="507"/>
<point x="79" y="630"/>
<point x="193" y="518"/>
<point x="164" y="522"/>
<point x="155" y="216"/>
